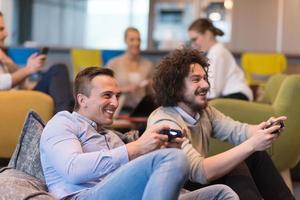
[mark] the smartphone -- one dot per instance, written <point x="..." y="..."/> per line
<point x="44" y="51"/>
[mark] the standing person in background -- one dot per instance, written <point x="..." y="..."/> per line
<point x="132" y="71"/>
<point x="227" y="79"/>
<point x="55" y="82"/>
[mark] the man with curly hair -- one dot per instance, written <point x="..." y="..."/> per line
<point x="181" y="85"/>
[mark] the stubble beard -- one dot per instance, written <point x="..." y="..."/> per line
<point x="194" y="106"/>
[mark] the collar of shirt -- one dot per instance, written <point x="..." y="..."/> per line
<point x="191" y="121"/>
<point x="91" y="122"/>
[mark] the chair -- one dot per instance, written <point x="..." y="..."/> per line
<point x="282" y="97"/>
<point x="259" y="67"/>
<point x="14" y="106"/>
<point x="82" y="58"/>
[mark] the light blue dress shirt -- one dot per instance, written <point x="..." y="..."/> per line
<point x="75" y="156"/>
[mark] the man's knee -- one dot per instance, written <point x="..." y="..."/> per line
<point x="177" y="158"/>
<point x="225" y="192"/>
<point x="258" y="157"/>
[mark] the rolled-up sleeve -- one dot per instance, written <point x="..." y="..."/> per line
<point x="5" y="81"/>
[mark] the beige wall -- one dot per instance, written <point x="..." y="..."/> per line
<point x="291" y="27"/>
<point x="254" y="25"/>
<point x="266" y="25"/>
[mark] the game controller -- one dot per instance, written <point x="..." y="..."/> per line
<point x="171" y="133"/>
<point x="277" y="122"/>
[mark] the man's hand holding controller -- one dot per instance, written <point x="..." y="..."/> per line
<point x="264" y="134"/>
<point x="171" y="133"/>
<point x="279" y="121"/>
<point x="175" y="137"/>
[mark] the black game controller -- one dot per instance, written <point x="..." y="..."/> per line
<point x="171" y="133"/>
<point x="277" y="122"/>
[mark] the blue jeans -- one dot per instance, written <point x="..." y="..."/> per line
<point x="213" y="192"/>
<point x="158" y="175"/>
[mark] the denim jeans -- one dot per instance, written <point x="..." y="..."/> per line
<point x="158" y="175"/>
<point x="213" y="192"/>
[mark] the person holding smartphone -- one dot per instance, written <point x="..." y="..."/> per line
<point x="54" y="82"/>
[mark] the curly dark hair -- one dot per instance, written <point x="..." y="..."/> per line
<point x="169" y="75"/>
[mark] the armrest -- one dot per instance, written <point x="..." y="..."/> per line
<point x="14" y="106"/>
<point x="244" y="111"/>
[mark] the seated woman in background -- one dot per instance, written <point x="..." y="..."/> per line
<point x="132" y="71"/>
<point x="55" y="82"/>
<point x="227" y="79"/>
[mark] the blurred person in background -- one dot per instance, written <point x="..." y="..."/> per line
<point x="227" y="79"/>
<point x="55" y="82"/>
<point x="132" y="71"/>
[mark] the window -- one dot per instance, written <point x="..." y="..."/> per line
<point x="106" y="22"/>
<point x="91" y="23"/>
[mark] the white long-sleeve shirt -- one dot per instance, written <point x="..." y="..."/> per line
<point x="224" y="75"/>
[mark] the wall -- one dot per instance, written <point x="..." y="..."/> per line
<point x="291" y="27"/>
<point x="266" y="25"/>
<point x="254" y="25"/>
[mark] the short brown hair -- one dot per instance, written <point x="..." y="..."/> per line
<point x="202" y="24"/>
<point x="1" y="14"/>
<point x="84" y="78"/>
<point x="169" y="75"/>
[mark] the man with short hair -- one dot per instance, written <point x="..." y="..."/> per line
<point x="54" y="82"/>
<point x="81" y="159"/>
<point x="181" y="85"/>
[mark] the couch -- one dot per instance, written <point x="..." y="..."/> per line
<point x="23" y="177"/>
<point x="282" y="97"/>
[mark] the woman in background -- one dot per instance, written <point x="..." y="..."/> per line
<point x="227" y="79"/>
<point x="131" y="70"/>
